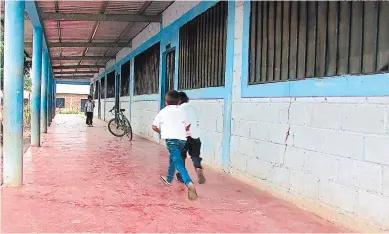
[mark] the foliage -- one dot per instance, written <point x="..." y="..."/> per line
<point x="27" y="115"/>
<point x="27" y="83"/>
<point x="27" y="63"/>
<point x="70" y="111"/>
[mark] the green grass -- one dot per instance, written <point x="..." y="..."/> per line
<point x="69" y="111"/>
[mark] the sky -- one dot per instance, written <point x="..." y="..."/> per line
<point x="76" y="89"/>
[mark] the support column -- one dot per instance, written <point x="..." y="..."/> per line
<point x="49" y="98"/>
<point x="36" y="87"/>
<point x="45" y="70"/>
<point x="55" y="98"/>
<point x="13" y="93"/>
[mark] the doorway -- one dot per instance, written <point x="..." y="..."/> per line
<point x="169" y="64"/>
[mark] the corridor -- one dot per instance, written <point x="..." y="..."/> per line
<point x="85" y="180"/>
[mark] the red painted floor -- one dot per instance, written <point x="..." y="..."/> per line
<point x="85" y="180"/>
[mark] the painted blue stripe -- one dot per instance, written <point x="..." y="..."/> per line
<point x="245" y="46"/>
<point x="206" y="93"/>
<point x="71" y="82"/>
<point x="227" y="115"/>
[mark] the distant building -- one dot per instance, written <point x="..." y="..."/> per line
<point x="72" y="96"/>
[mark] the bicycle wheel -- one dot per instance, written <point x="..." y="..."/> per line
<point x="116" y="129"/>
<point x="129" y="129"/>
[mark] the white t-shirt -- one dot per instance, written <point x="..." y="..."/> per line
<point x="89" y="105"/>
<point x="191" y="114"/>
<point x="171" y="121"/>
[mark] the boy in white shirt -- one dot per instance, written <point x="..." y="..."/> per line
<point x="193" y="142"/>
<point x="171" y="122"/>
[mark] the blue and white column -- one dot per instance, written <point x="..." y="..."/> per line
<point x="36" y="87"/>
<point x="13" y="93"/>
<point x="45" y="75"/>
<point x="55" y="98"/>
<point x="49" y="97"/>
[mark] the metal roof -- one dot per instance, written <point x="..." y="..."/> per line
<point x="86" y="33"/>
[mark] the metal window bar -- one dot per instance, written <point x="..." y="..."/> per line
<point x="125" y="79"/>
<point x="146" y="71"/>
<point x="203" y="49"/>
<point x="170" y="68"/>
<point x="111" y="85"/>
<point x="102" y="88"/>
<point x="298" y="40"/>
<point x="97" y="90"/>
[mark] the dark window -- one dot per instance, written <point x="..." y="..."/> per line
<point x="146" y="73"/>
<point x="91" y="89"/>
<point x="82" y="107"/>
<point x="297" y="40"/>
<point x="202" y="60"/>
<point x="102" y="88"/>
<point x="111" y="85"/>
<point x="60" y="103"/>
<point x="125" y="79"/>
<point x="170" y="69"/>
<point x="97" y="90"/>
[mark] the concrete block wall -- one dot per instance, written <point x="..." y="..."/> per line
<point x="123" y="53"/>
<point x="103" y="107"/>
<point x="176" y="10"/>
<point x="96" y="110"/>
<point x="151" y="30"/>
<point x="211" y="125"/>
<point x="110" y="63"/>
<point x="125" y="104"/>
<point x="109" y="104"/>
<point x="331" y="151"/>
<point x="142" y="117"/>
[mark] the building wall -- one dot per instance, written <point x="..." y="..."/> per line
<point x="142" y="116"/>
<point x="331" y="151"/>
<point x="72" y="101"/>
<point x="125" y="104"/>
<point x="109" y="104"/>
<point x="326" y="151"/>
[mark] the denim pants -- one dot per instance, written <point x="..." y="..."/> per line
<point x="174" y="147"/>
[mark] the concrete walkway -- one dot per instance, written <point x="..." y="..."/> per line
<point x="85" y="180"/>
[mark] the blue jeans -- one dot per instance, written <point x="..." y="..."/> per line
<point x="174" y="147"/>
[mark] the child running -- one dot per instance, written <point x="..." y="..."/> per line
<point x="89" y="106"/>
<point x="193" y="143"/>
<point x="171" y="122"/>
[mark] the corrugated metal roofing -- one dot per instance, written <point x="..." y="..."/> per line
<point x="91" y="31"/>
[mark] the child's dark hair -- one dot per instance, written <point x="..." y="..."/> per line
<point x="172" y="97"/>
<point x="89" y="96"/>
<point x="183" y="97"/>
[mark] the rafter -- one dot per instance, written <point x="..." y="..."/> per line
<point x="78" y="66"/>
<point x="83" y="44"/>
<point x="75" y="72"/>
<point x="101" y="17"/>
<point x="83" y="57"/>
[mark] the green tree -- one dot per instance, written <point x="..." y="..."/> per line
<point x="27" y="63"/>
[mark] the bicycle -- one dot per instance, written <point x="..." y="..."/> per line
<point x="121" y="123"/>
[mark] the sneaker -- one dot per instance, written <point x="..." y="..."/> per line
<point x="179" y="178"/>
<point x="192" y="195"/>
<point x="200" y="175"/>
<point x="164" y="180"/>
